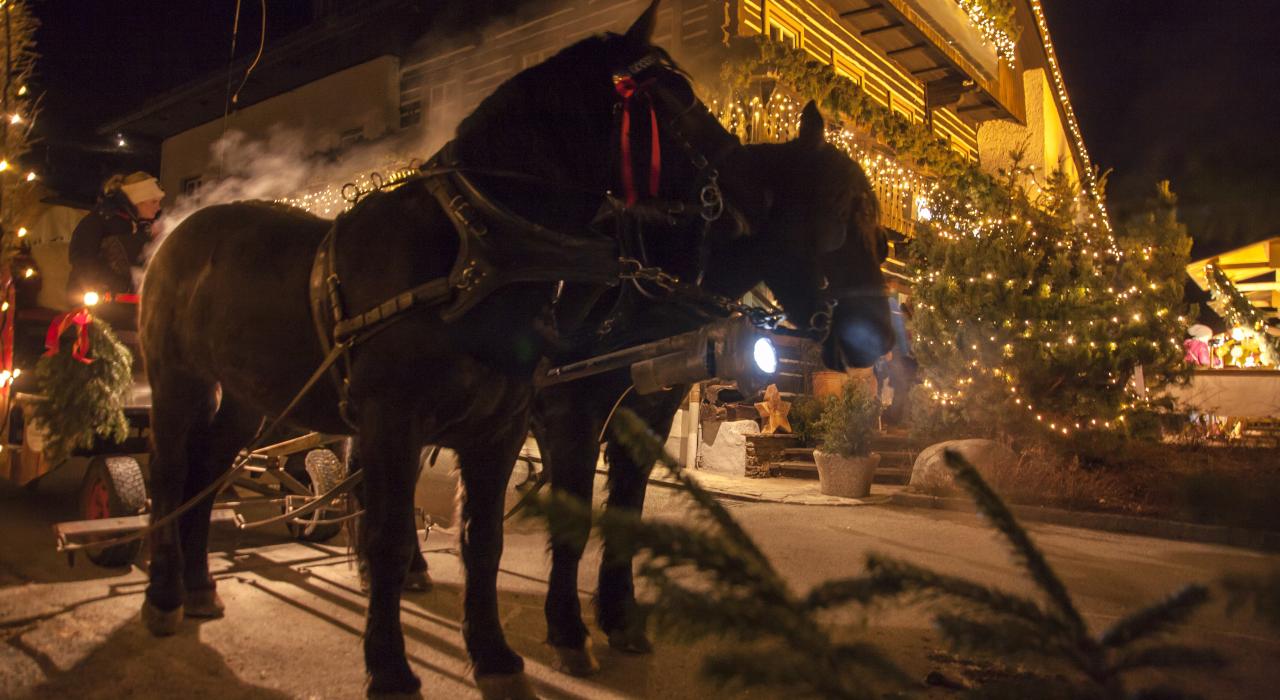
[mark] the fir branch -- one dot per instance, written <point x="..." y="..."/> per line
<point x="1156" y="618"/>
<point x="646" y="448"/>
<point x="991" y="600"/>
<point x="998" y="514"/>
<point x="1001" y="637"/>
<point x="569" y="519"/>
<point x="860" y="589"/>
<point x="1169" y="656"/>
<point x="691" y="615"/>
<point x="1261" y="593"/>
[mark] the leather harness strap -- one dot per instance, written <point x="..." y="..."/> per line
<point x="496" y="247"/>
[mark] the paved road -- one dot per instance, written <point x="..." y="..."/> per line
<point x="295" y="612"/>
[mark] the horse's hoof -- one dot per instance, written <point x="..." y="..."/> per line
<point x="161" y="623"/>
<point x="204" y="603"/>
<point x="631" y="641"/>
<point x="401" y="685"/>
<point x="576" y="661"/>
<point x="511" y="686"/>
<point x="418" y="582"/>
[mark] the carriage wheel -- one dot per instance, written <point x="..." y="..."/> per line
<point x="113" y="487"/>
<point x="322" y="471"/>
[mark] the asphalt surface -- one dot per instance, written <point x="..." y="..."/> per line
<point x="295" y="612"/>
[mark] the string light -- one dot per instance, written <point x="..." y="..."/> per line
<point x="1060" y="86"/>
<point x="992" y="30"/>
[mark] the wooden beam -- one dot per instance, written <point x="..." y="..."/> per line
<point x="873" y="9"/>
<point x="886" y="28"/>
<point x="906" y="49"/>
<point x="930" y="69"/>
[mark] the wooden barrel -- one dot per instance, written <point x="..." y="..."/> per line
<point x="828" y="383"/>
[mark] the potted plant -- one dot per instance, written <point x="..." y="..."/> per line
<point x="845" y="462"/>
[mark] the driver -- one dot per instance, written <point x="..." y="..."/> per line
<point x="109" y="242"/>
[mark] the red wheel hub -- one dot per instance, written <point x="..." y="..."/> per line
<point x="98" y="504"/>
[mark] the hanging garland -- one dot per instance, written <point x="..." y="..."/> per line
<point x="912" y="142"/>
<point x="84" y="379"/>
<point x="1240" y="312"/>
<point x="994" y="20"/>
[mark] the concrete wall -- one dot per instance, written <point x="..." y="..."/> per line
<point x="364" y="97"/>
<point x="1044" y="138"/>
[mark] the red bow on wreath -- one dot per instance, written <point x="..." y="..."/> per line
<point x="80" y="347"/>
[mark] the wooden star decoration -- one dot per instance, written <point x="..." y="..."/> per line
<point x="774" y="410"/>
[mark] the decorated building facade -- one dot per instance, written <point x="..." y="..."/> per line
<point x="366" y="92"/>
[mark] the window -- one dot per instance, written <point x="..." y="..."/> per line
<point x="191" y="185"/>
<point x="782" y="34"/>
<point x="410" y="113"/>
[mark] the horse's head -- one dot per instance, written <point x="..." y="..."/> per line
<point x="819" y="243"/>
<point x="586" y="120"/>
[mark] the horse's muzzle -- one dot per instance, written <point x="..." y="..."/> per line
<point x="857" y="340"/>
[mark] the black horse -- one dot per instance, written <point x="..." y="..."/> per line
<point x="567" y="418"/>
<point x="229" y="336"/>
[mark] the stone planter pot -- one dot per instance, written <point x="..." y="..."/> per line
<point x="848" y="477"/>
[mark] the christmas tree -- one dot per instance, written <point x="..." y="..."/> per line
<point x="1029" y="313"/>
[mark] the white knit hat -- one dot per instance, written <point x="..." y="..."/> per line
<point x="142" y="191"/>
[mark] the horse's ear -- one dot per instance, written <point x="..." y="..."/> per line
<point x="641" y="31"/>
<point x="812" y="127"/>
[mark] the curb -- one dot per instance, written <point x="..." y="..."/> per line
<point x="1109" y="522"/>
<point x="802" y="500"/>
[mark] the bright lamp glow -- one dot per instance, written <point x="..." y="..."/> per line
<point x="90" y="298"/>
<point x="765" y="355"/>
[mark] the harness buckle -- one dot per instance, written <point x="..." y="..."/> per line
<point x="711" y="198"/>
<point x="463" y="210"/>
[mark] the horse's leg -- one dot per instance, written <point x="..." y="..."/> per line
<point x="210" y="452"/>
<point x="180" y="404"/>
<point x="418" y="580"/>
<point x="388" y="448"/>
<point x="566" y="427"/>
<point x="485" y="467"/>
<point x="616" y="610"/>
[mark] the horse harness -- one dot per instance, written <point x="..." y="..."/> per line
<point x="498" y="247"/>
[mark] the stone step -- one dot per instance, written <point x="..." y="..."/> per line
<point x="890" y="441"/>
<point x="799" y="454"/>
<point x="809" y="470"/>
<point x="797" y="468"/>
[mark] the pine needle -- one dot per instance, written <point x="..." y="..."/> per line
<point x="1156" y="618"/>
<point x="1025" y="551"/>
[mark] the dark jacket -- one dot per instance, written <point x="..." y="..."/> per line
<point x="105" y="247"/>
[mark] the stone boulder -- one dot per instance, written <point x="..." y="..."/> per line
<point x="930" y="471"/>
<point x="723" y="449"/>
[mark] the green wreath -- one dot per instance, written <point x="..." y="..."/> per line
<point x="83" y="401"/>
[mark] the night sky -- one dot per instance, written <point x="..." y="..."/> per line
<point x="1179" y="89"/>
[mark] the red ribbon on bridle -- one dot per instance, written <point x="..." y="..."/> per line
<point x="80" y="347"/>
<point x="627" y="88"/>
